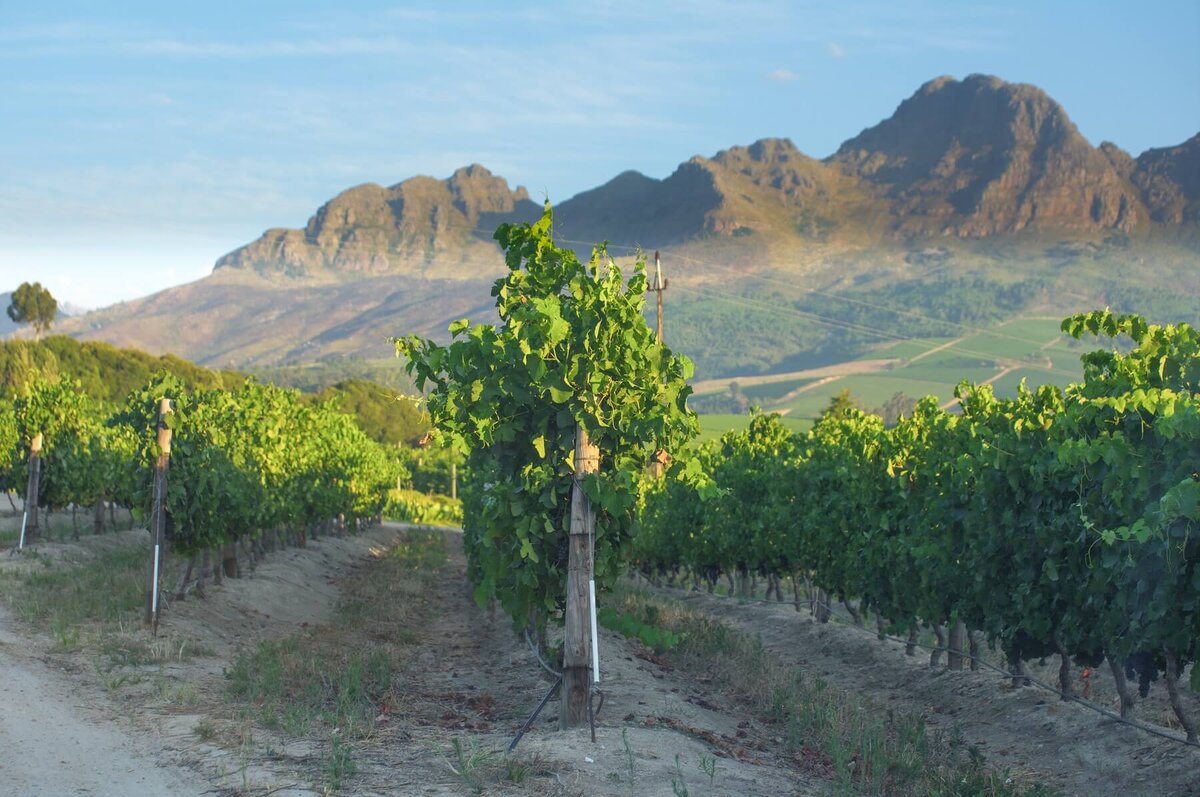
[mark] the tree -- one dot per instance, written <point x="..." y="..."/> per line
<point x="895" y="408"/>
<point x="32" y="304"/>
<point x="839" y="404"/>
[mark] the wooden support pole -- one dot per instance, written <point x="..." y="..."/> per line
<point x="453" y="480"/>
<point x="31" y="490"/>
<point x="958" y="640"/>
<point x="158" y="514"/>
<point x="658" y="463"/>
<point x="577" y="658"/>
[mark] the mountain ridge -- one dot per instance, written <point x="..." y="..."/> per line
<point x="974" y="179"/>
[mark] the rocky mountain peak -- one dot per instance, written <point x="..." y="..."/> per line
<point x="476" y="190"/>
<point x="982" y="156"/>
<point x="1170" y="181"/>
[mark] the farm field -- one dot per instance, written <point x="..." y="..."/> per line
<point x="244" y="690"/>
<point x="1033" y="349"/>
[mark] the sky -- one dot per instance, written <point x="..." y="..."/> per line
<point x="141" y="141"/>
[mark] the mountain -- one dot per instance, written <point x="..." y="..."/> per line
<point x="981" y="157"/>
<point x="421" y="226"/>
<point x="976" y="194"/>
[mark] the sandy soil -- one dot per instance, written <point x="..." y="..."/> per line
<point x="1028" y="729"/>
<point x="59" y="739"/>
<point x="466" y="675"/>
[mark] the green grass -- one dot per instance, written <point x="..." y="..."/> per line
<point x="68" y="593"/>
<point x="713" y="426"/>
<point x="296" y="682"/>
<point x="773" y="390"/>
<point x="905" y="349"/>
<point x="94" y="604"/>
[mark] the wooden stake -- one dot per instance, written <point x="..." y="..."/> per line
<point x="954" y="656"/>
<point x="577" y="659"/>
<point x="658" y="287"/>
<point x="158" y="513"/>
<point x="657" y="465"/>
<point x="31" y="489"/>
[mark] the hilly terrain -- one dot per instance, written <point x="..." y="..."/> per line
<point x="976" y="202"/>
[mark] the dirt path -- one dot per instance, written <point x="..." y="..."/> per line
<point x="1072" y="748"/>
<point x="56" y="741"/>
<point x="848" y="368"/>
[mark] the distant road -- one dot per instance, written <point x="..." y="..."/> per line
<point x="837" y="369"/>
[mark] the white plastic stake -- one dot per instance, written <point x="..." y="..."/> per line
<point x="24" y="519"/>
<point x="595" y="640"/>
<point x="154" y="592"/>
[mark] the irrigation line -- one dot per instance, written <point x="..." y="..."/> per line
<point x="1066" y="698"/>
<point x="532" y="717"/>
<point x="538" y="656"/>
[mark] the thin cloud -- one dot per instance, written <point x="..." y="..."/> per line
<point x="783" y="76"/>
<point x="836" y="50"/>
<point x="271" y="49"/>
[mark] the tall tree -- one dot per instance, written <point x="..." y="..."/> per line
<point x="34" y="305"/>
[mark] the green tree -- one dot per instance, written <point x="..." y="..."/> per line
<point x="32" y="304"/>
<point x="839" y="404"/>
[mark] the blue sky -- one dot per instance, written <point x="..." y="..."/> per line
<point x="140" y="141"/>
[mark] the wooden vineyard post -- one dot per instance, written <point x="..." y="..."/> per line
<point x="657" y="465"/>
<point x="29" y="526"/>
<point x="453" y="481"/>
<point x="158" y="513"/>
<point x="577" y="653"/>
<point x="954" y="656"/>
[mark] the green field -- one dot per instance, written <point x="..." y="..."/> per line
<point x="1036" y="347"/>
<point x="713" y="426"/>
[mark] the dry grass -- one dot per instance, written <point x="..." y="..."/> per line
<point x="859" y="747"/>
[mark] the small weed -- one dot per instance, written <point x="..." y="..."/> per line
<point x="107" y="588"/>
<point x="678" y="784"/>
<point x="66" y="637"/>
<point x="205" y="730"/>
<point x="338" y="764"/>
<point x="708" y="765"/>
<point x="112" y="683"/>
<point x="466" y="760"/>
<point x="628" y="752"/>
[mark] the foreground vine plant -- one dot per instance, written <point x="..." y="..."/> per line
<point x="572" y="349"/>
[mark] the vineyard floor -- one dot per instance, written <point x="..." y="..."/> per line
<point x="59" y="739"/>
<point x="459" y="674"/>
<point x="1025" y="730"/>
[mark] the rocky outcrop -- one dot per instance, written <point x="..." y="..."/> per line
<point x="421" y="225"/>
<point x="1169" y="179"/>
<point x="980" y="157"/>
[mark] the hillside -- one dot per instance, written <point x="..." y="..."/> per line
<point x="976" y="201"/>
